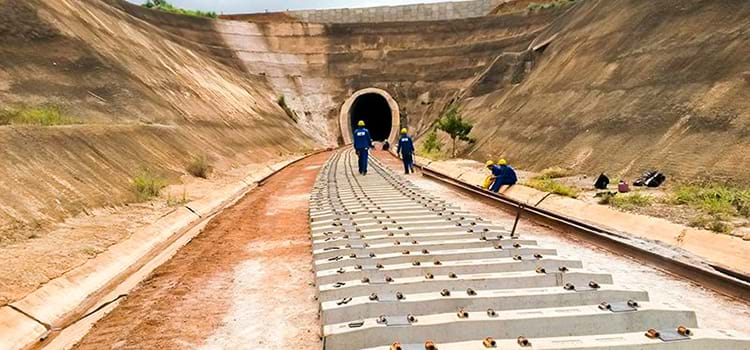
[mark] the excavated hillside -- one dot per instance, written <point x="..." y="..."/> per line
<point x="621" y="86"/>
<point x="140" y="97"/>
<point x="628" y="85"/>
<point x="616" y="86"/>
<point x="598" y="86"/>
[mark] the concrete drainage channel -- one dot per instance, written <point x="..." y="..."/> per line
<point x="398" y="269"/>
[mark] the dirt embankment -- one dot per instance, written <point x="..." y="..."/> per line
<point x="139" y="97"/>
<point x="625" y="86"/>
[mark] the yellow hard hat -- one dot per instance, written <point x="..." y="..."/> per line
<point x="502" y="162"/>
<point x="361" y="123"/>
<point x="489" y="163"/>
<point x="404" y="131"/>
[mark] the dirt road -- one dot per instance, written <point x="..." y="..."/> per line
<point x="245" y="282"/>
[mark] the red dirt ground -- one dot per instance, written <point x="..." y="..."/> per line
<point x="245" y="282"/>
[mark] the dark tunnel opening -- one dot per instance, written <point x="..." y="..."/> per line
<point x="374" y="110"/>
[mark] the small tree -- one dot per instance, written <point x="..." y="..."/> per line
<point x="431" y="142"/>
<point x="453" y="124"/>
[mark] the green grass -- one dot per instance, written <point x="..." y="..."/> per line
<point x="627" y="201"/>
<point x="163" y="5"/>
<point x="554" y="173"/>
<point x="199" y="167"/>
<point x="41" y="115"/>
<point x="721" y="200"/>
<point x="147" y="185"/>
<point x="549" y="4"/>
<point x="545" y="184"/>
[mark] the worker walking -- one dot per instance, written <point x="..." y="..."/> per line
<point x="406" y="150"/>
<point x="362" y="143"/>
<point x="504" y="175"/>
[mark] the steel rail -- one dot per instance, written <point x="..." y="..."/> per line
<point x="718" y="278"/>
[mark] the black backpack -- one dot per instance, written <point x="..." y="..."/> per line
<point x="601" y="182"/>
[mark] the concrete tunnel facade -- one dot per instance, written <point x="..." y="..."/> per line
<point x="377" y="108"/>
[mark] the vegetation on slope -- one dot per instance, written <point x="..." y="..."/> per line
<point x="456" y="127"/>
<point x="199" y="167"/>
<point x="627" y="201"/>
<point x="549" y="4"/>
<point x="41" y="115"/>
<point x="718" y="203"/>
<point x="147" y="185"/>
<point x="546" y="184"/>
<point x="163" y="5"/>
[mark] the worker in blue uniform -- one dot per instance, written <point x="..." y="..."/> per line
<point x="362" y="143"/>
<point x="504" y="175"/>
<point x="406" y="150"/>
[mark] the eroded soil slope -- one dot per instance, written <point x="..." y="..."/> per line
<point x="140" y="98"/>
<point x="628" y="85"/>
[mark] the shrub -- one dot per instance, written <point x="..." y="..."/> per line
<point x="163" y="5"/>
<point x="147" y="185"/>
<point x="41" y="115"/>
<point x="199" y="167"/>
<point x="552" y="186"/>
<point x="431" y="143"/>
<point x="455" y="126"/>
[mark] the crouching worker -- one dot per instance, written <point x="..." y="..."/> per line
<point x="406" y="150"/>
<point x="504" y="175"/>
<point x="491" y="177"/>
<point x="362" y="143"/>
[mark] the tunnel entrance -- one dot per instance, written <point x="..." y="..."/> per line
<point x="374" y="110"/>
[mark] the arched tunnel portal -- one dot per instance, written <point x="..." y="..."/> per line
<point x="376" y="108"/>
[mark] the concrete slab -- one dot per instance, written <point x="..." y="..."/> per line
<point x="531" y="323"/>
<point x="506" y="280"/>
<point x="702" y="339"/>
<point x="498" y="299"/>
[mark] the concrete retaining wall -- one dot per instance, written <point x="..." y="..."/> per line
<point x="404" y="13"/>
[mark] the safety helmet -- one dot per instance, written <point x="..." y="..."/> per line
<point x="404" y="131"/>
<point x="502" y="162"/>
<point x="361" y="123"/>
<point x="489" y="163"/>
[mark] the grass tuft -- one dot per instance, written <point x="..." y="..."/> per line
<point x="554" y="173"/>
<point x="709" y="222"/>
<point x="627" y="201"/>
<point x="552" y="186"/>
<point x="41" y="115"/>
<point x="147" y="185"/>
<point x="199" y="167"/>
<point x="714" y="199"/>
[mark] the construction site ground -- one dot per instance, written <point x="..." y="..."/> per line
<point x="246" y="280"/>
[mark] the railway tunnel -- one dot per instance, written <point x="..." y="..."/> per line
<point x="376" y="108"/>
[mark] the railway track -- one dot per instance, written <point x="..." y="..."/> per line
<point x="399" y="269"/>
